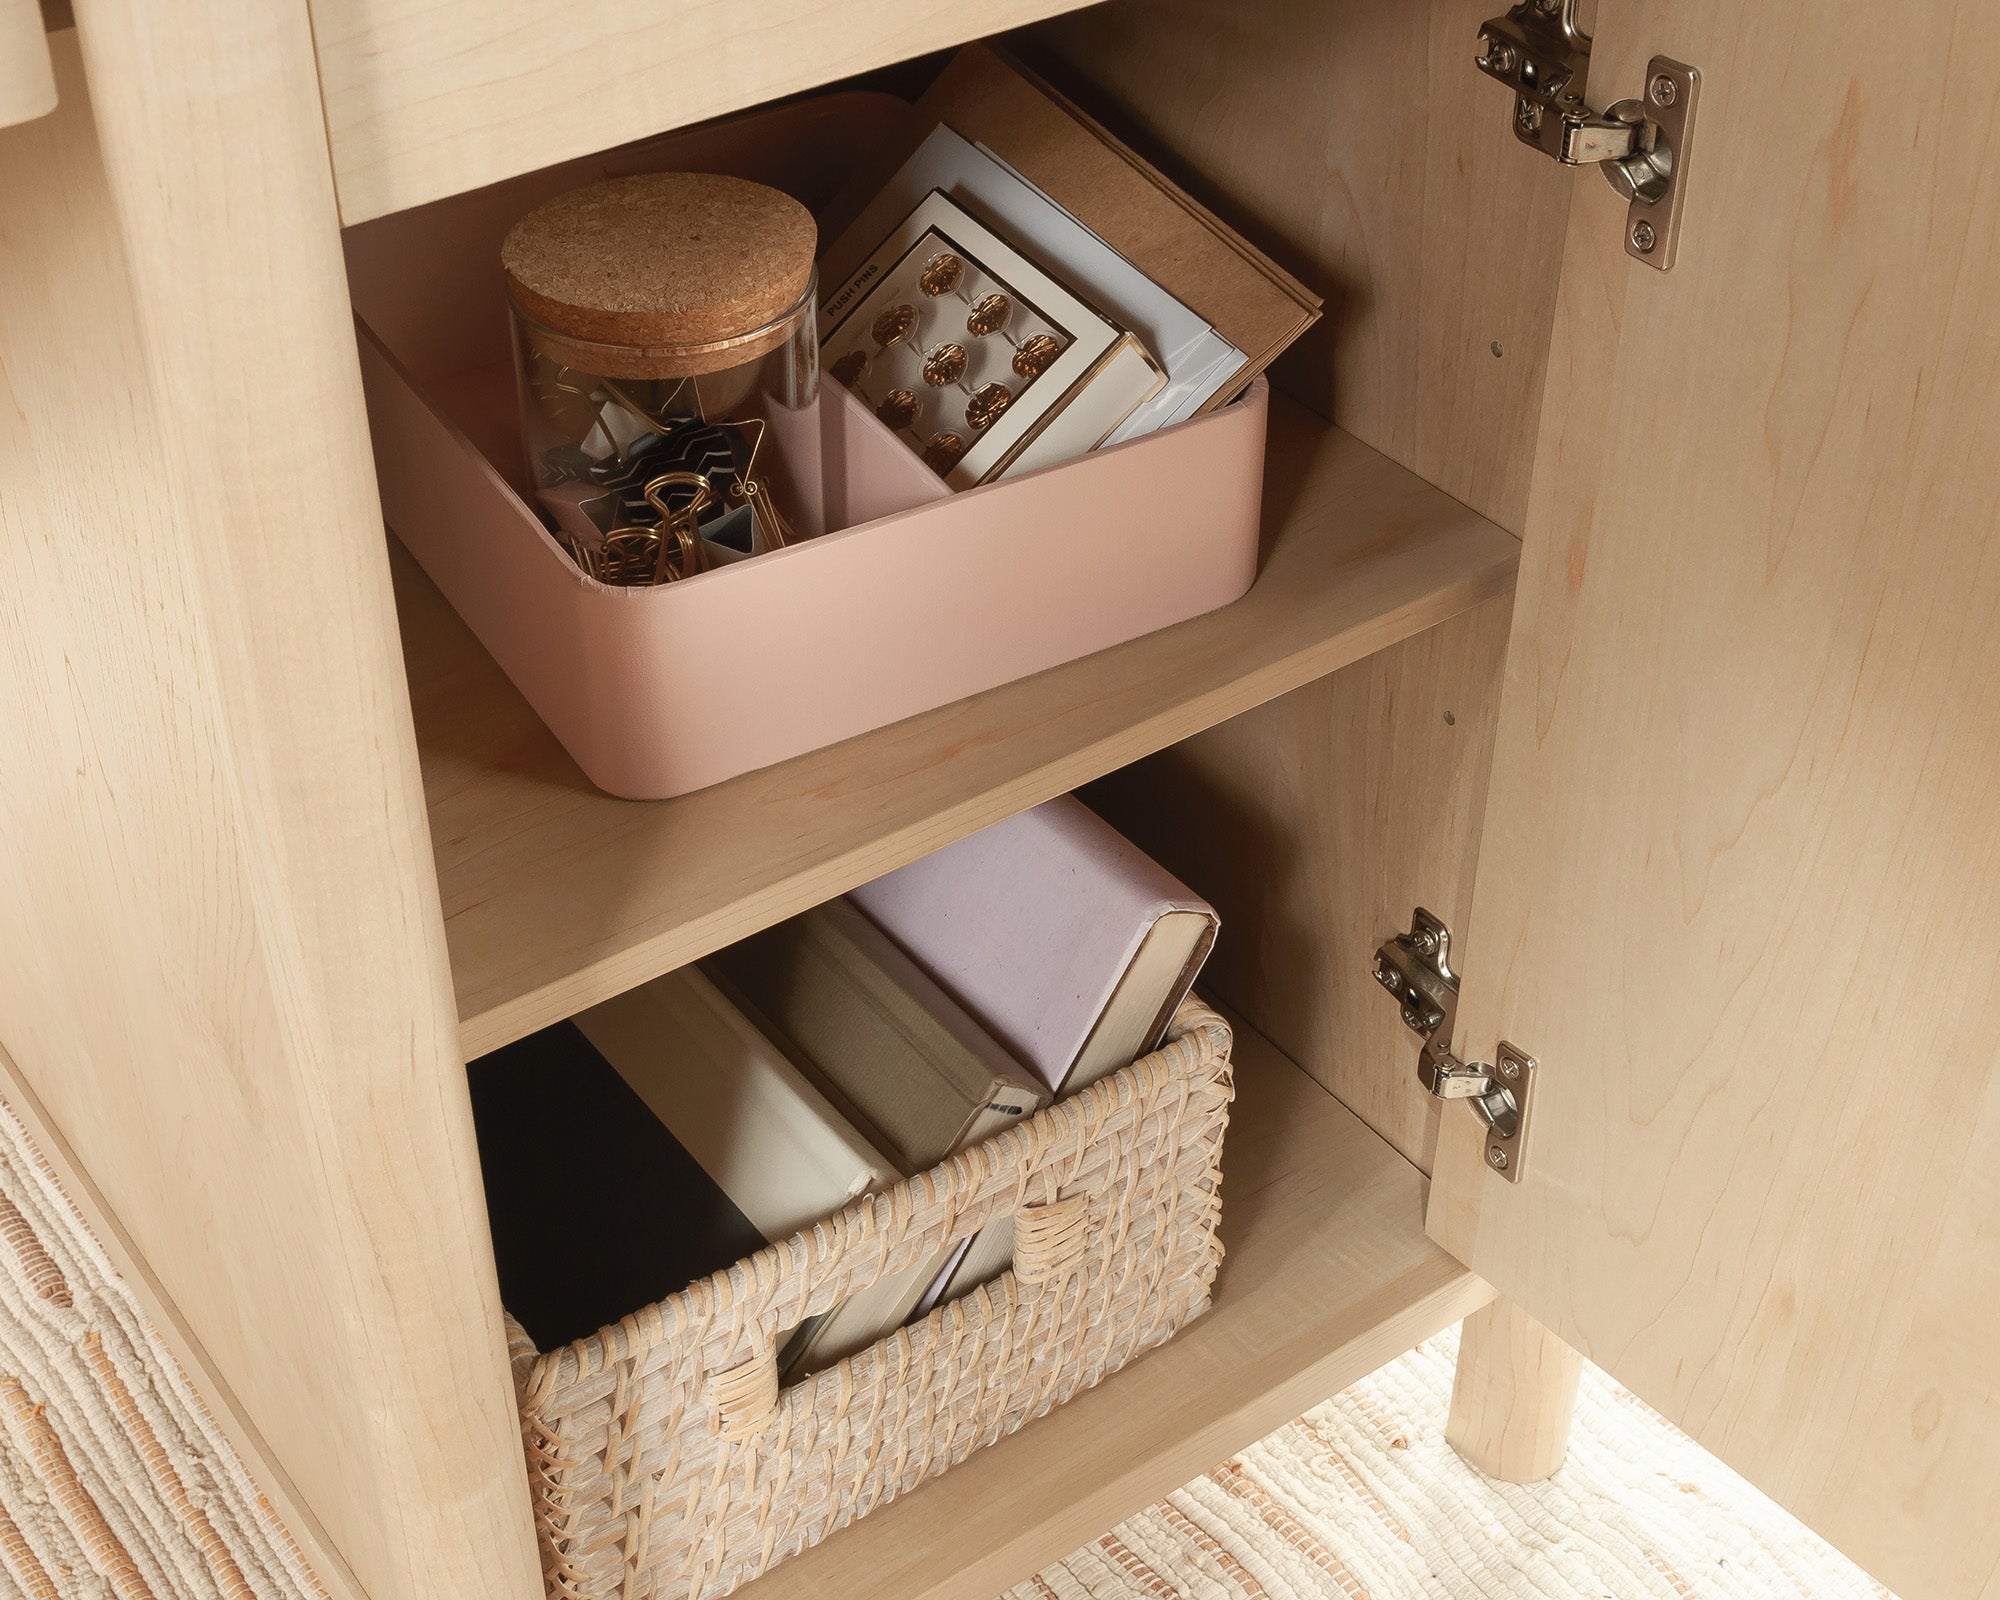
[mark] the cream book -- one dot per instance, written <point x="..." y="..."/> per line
<point x="1065" y="941"/>
<point x="770" y="1140"/>
<point x="893" y="1049"/>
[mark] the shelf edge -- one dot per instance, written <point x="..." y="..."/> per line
<point x="489" y="1027"/>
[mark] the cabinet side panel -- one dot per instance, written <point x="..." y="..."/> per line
<point x="222" y="969"/>
<point x="1314" y="823"/>
<point x="1359" y="144"/>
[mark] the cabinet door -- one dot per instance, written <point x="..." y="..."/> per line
<point x="1739" y="887"/>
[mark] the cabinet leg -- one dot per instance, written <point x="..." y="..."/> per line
<point x="1513" y="1396"/>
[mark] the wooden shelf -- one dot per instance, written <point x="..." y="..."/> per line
<point x="557" y="896"/>
<point x="1328" y="1275"/>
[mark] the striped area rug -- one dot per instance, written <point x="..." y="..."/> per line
<point x="115" y="1482"/>
<point x="1362" y="1498"/>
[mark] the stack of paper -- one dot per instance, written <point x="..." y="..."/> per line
<point x="1209" y="308"/>
<point x="1196" y="360"/>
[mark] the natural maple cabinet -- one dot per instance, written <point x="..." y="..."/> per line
<point x="1645" y="626"/>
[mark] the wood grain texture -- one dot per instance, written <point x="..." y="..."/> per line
<point x="1314" y="824"/>
<point x="1513" y="1395"/>
<point x="557" y="896"/>
<point x="1359" y="145"/>
<point x="1326" y="1276"/>
<point x="27" y="73"/>
<point x="1740" y="886"/>
<point x="223" y="970"/>
<point x="426" y="100"/>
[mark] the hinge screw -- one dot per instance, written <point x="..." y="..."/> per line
<point x="1528" y="115"/>
<point x="1510" y="1069"/>
<point x="1643" y="237"/>
<point x="1496" y="1158"/>
<point x="1665" y="91"/>
<point x="1496" y="55"/>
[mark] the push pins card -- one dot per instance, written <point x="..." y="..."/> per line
<point x="959" y="343"/>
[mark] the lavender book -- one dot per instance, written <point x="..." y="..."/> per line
<point x="1064" y="940"/>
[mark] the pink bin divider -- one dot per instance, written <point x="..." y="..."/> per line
<point x="927" y="596"/>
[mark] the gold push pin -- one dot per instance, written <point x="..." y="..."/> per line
<point x="898" y="408"/>
<point x="989" y="316"/>
<point x="1035" y="355"/>
<point x="943" y="453"/>
<point x="941" y="274"/>
<point x="848" y="369"/>
<point x="894" y="325"/>
<point x="944" y="365"/>
<point x="984" y="408"/>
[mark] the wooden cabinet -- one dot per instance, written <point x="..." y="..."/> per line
<point x="1707" y="801"/>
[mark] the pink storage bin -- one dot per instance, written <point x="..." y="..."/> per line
<point x="921" y="598"/>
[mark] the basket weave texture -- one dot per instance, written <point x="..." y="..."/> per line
<point x="666" y="1463"/>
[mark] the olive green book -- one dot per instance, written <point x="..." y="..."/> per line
<point x="892" y="1049"/>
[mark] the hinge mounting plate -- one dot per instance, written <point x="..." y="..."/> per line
<point x="1540" y="51"/>
<point x="1415" y="968"/>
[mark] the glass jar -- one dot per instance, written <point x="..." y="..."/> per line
<point x="667" y="356"/>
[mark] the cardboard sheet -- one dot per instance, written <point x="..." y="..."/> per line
<point x="1191" y="253"/>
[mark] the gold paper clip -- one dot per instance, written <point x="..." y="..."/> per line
<point x="632" y="557"/>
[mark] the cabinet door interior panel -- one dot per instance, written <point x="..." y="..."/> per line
<point x="431" y="99"/>
<point x="1356" y="142"/>
<point x="1739" y="889"/>
<point x="222" y="968"/>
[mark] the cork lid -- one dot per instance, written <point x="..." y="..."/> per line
<point x="664" y="263"/>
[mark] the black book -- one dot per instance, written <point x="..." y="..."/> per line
<point x="596" y="1208"/>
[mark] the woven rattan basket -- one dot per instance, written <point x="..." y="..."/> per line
<point x="668" y="1465"/>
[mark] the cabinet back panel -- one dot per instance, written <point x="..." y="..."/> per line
<point x="1314" y="823"/>
<point x="1358" y="144"/>
<point x="1356" y="141"/>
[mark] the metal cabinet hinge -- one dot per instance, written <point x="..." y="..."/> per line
<point x="1540" y="52"/>
<point x="1415" y="967"/>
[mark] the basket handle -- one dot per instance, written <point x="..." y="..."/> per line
<point x="742" y="1398"/>
<point x="1049" y="1240"/>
